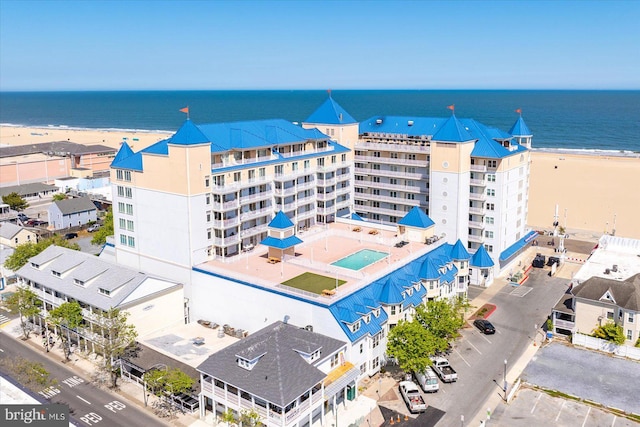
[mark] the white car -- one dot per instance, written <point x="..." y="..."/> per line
<point x="93" y="228"/>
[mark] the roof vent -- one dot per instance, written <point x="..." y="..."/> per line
<point x="410" y="122"/>
<point x="615" y="268"/>
<point x="607" y="271"/>
<point x="379" y="121"/>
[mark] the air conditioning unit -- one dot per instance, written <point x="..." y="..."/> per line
<point x="607" y="271"/>
<point x="614" y="268"/>
<point x="309" y="328"/>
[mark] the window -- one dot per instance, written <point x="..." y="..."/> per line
<point x="131" y="241"/>
<point x="630" y="317"/>
<point x="119" y="174"/>
<point x="361" y="348"/>
<point x="306" y="164"/>
<point x="129" y="225"/>
<point x="355" y="327"/>
<point x="488" y="234"/>
<point x="206" y="181"/>
<point x="393" y="309"/>
<point x="120" y="207"/>
<point x="629" y="334"/>
<point x="491" y="207"/>
<point x="393" y="155"/>
<point x="104" y="291"/>
<point x="278" y="169"/>
<point x="129" y="209"/>
<point x="376" y="340"/>
<point x="120" y="191"/>
<point x="209" y="234"/>
<point x="262" y="172"/>
<point x="489" y="220"/>
<point x="489" y="248"/>
<point x="208" y="199"/>
<point x="363" y="368"/>
<point x="491" y="192"/>
<point x="123" y="239"/>
<point x="491" y="178"/>
<point x="610" y="315"/>
<point x="208" y="216"/>
<point x="55" y="273"/>
<point x="333" y="160"/>
<point x="236" y="176"/>
<point x="335" y="359"/>
<point x="128" y="192"/>
<point x="123" y="224"/>
<point x="492" y="163"/>
<point x="375" y="363"/>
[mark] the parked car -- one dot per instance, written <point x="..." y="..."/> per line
<point x="93" y="228"/>
<point x="70" y="236"/>
<point x="22" y="217"/>
<point x="446" y="373"/>
<point x="412" y="397"/>
<point x="428" y="380"/>
<point x="485" y="326"/>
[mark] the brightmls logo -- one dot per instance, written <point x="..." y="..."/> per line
<point x="54" y="415"/>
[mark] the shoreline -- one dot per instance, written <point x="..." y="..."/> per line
<point x="593" y="189"/>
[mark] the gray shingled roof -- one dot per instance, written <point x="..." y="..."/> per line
<point x="87" y="268"/>
<point x="58" y="148"/>
<point x="8" y="230"/>
<point x="281" y="375"/>
<point x="26" y="189"/>
<point x="626" y="293"/>
<point x="71" y="206"/>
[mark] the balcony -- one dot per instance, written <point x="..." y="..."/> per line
<point x="286" y="207"/>
<point x="392" y="187"/>
<point x="246" y="216"/>
<point x="476" y="224"/>
<point x="477" y="211"/>
<point x="225" y="206"/>
<point x="226" y="223"/>
<point x="387" y="172"/>
<point x="391" y="161"/>
<point x="305" y="185"/>
<point x="398" y="147"/>
<point x="479" y="168"/>
<point x="245" y="200"/>
<point x="227" y="241"/>
<point x="308" y="214"/>
<point x="384" y="211"/>
<point x="325" y="182"/>
<point x="285" y="191"/>
<point x="258" y="229"/>
<point x="342" y="190"/>
<point x="481" y="197"/>
<point x="326" y="196"/>
<point x="564" y="324"/>
<point x="478" y="182"/>
<point x="475" y="238"/>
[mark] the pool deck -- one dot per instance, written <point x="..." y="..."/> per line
<point x="322" y="246"/>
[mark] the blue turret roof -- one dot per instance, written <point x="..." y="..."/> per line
<point x="429" y="270"/>
<point x="285" y="243"/>
<point x="481" y="259"/>
<point x="189" y="134"/>
<point x="330" y="113"/>
<point x="452" y="131"/>
<point x="520" y="128"/>
<point x="416" y="218"/>
<point x="280" y="221"/>
<point x="127" y="159"/>
<point x="459" y="252"/>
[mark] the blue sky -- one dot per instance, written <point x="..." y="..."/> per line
<point x="136" y="45"/>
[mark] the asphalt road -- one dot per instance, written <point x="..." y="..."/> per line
<point x="479" y="359"/>
<point x="88" y="405"/>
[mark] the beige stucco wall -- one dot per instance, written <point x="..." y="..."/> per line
<point x="458" y="157"/>
<point x="166" y="311"/>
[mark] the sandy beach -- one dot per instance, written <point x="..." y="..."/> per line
<point x="592" y="189"/>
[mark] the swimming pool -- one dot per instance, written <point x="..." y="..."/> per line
<point x="361" y="259"/>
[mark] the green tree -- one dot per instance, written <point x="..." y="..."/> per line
<point x="250" y="418"/>
<point x="116" y="336"/>
<point x="610" y="332"/>
<point x="26" y="303"/>
<point x="442" y="317"/>
<point x="167" y="383"/>
<point x="100" y="236"/>
<point x="229" y="417"/>
<point x="30" y="374"/>
<point x="25" y="251"/>
<point x="411" y="344"/>
<point x="59" y="196"/>
<point x="15" y="202"/>
<point x="68" y="315"/>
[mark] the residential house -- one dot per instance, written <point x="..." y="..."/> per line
<point x="72" y="213"/>
<point x="13" y="235"/>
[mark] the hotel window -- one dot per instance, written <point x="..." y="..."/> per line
<point x="119" y="174"/>
<point x="129" y="209"/>
<point x="123" y="239"/>
<point x="129" y="225"/>
<point x="491" y="178"/>
<point x="208" y="216"/>
<point x="393" y="155"/>
<point x="376" y="154"/>
<point x="411" y="156"/>
<point x="307" y="164"/>
<point x="410" y="170"/>
<point x="375" y="363"/>
<point x="262" y="172"/>
<point x="252" y="174"/>
<point x="206" y="181"/>
<point x="104" y="291"/>
<point x="335" y="359"/>
<point x="410" y="183"/>
<point x="343" y="158"/>
<point x="355" y="327"/>
<point x="294" y="166"/>
<point x="491" y="192"/>
<point x="376" y="340"/>
<point x="376" y="167"/>
<point x="489" y="220"/>
<point x="131" y="241"/>
<point x="410" y="196"/>
<point x="610" y="315"/>
<point x="278" y="169"/>
<point x="489" y="248"/>
<point x="209" y="234"/>
<point x="128" y="193"/>
<point x="320" y="161"/>
<point x="123" y="224"/>
<point x="120" y="191"/>
<point x="488" y="234"/>
<point x="393" y="310"/>
<point x="361" y="348"/>
<point x="392" y="181"/>
<point x="333" y="160"/>
<point x="491" y="206"/>
<point x="363" y="368"/>
<point x="120" y="207"/>
<point x="375" y="179"/>
<point x="492" y="163"/>
<point x="236" y="177"/>
<point x="127" y="175"/>
<point x="208" y="199"/>
<point x="630" y="317"/>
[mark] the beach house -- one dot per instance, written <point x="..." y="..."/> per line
<point x="72" y="212"/>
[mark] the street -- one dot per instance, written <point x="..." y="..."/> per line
<point x="88" y="405"/>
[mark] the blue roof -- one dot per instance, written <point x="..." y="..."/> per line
<point x="452" y="131"/>
<point x="344" y="311"/>
<point x="416" y="218"/>
<point x="390" y="292"/>
<point x="459" y="252"/>
<point x="124" y="152"/>
<point x="285" y="243"/>
<point x="280" y="221"/>
<point x="481" y="259"/>
<point x="189" y="134"/>
<point x="450" y="275"/>
<point x="520" y="128"/>
<point x="429" y="270"/>
<point x="330" y="113"/>
<point x="356" y="217"/>
<point x="127" y="159"/>
<point x="160" y="147"/>
<point x="513" y="249"/>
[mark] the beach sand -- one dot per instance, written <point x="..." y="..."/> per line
<point x="591" y="188"/>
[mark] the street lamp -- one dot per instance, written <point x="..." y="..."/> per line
<point x="504" y="378"/>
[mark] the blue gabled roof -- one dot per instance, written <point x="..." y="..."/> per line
<point x="489" y="149"/>
<point x="521" y="243"/>
<point x="449" y="276"/>
<point x="280" y="221"/>
<point x="189" y="134"/>
<point x="481" y="259"/>
<point x="160" y="147"/>
<point x="285" y="243"/>
<point x="520" y="128"/>
<point x="459" y="252"/>
<point x="452" y="131"/>
<point x="344" y="311"/>
<point x="124" y="152"/>
<point x="416" y="218"/>
<point x="330" y="113"/>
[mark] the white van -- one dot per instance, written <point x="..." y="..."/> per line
<point x="428" y="380"/>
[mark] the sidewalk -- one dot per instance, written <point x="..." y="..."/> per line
<point x="129" y="390"/>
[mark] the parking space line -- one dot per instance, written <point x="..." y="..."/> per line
<point x="486" y="339"/>
<point x="474" y="347"/>
<point x="458" y="353"/>
<point x="536" y="404"/>
<point x="586" y="417"/>
<point x="614" y="421"/>
<point x="560" y="411"/>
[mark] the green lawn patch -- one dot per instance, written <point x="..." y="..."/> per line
<point x="314" y="283"/>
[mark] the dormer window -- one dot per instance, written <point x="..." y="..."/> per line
<point x="34" y="265"/>
<point x="244" y="363"/>
<point x="367" y="318"/>
<point x="315" y="355"/>
<point x="78" y="282"/>
<point x="56" y="273"/>
<point x="104" y="291"/>
<point x="376" y="312"/>
<point x="355" y="327"/>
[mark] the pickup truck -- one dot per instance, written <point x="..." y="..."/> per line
<point x="446" y="373"/>
<point x="412" y="397"/>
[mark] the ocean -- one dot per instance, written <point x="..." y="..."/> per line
<point x="577" y="120"/>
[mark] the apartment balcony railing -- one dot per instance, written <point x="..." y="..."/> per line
<point x="225" y="223"/>
<point x="306" y="185"/>
<point x="477" y="211"/>
<point x="386" y="172"/>
<point x="564" y="324"/>
<point x="478" y="196"/>
<point x="328" y="168"/>
<point x="479" y="168"/>
<point x="391" y="161"/>
<point x="340" y="204"/>
<point x="284" y="191"/>
<point x="384" y="211"/>
<point x="324" y="182"/>
<point x="306" y="200"/>
<point x="307" y="152"/>
<point x="326" y="210"/>
<point x="342" y="190"/>
<point x="392" y="187"/>
<point x="286" y="207"/>
<point x="307" y="214"/>
<point x="326" y="196"/>
<point x="250" y="198"/>
<point x="475" y="238"/>
<point x="227" y="241"/>
<point x="476" y="224"/>
<point x="397" y="147"/>
<point x="478" y="182"/>
<point x="245" y="216"/>
<point x="225" y="206"/>
<point x="258" y="229"/>
<point x="207" y="387"/>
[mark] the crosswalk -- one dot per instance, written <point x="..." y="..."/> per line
<point x="3" y="319"/>
<point x="521" y="291"/>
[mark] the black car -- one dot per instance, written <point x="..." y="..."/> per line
<point x="485" y="326"/>
<point x="70" y="236"/>
<point x="401" y="244"/>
